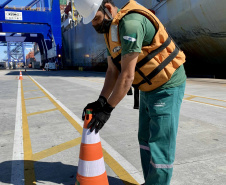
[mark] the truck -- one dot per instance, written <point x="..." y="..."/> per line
<point x="50" y="66"/>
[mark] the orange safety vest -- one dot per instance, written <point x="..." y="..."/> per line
<point x="156" y="62"/>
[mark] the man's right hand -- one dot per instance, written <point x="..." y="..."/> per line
<point x="95" y="106"/>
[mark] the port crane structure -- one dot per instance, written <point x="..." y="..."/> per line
<point x="39" y="21"/>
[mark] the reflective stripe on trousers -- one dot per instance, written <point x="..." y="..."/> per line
<point x="152" y="163"/>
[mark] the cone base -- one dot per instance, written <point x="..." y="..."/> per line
<point x="99" y="180"/>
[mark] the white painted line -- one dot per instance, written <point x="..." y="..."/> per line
<point x="123" y="162"/>
<point x="17" y="175"/>
<point x="119" y="158"/>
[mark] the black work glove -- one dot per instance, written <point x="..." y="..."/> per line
<point x="100" y="118"/>
<point x="95" y="106"/>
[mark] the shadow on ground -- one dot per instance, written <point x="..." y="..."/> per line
<point x="46" y="172"/>
<point x="63" y="73"/>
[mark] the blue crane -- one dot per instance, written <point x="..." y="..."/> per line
<point x="41" y="24"/>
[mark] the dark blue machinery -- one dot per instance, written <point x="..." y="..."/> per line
<point x="41" y="24"/>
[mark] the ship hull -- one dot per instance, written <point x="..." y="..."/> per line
<point x="197" y="26"/>
<point x="82" y="43"/>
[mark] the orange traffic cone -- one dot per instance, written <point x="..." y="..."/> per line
<point x="91" y="168"/>
<point x="21" y="77"/>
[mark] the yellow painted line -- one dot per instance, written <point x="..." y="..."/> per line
<point x="41" y="112"/>
<point x="189" y="98"/>
<point x="56" y="149"/>
<point x="119" y="170"/>
<point x="28" y="86"/>
<point x="193" y="96"/>
<point x="205" y="97"/>
<point x="35" y="98"/>
<point x="29" y="174"/>
<point x="32" y="90"/>
<point x="112" y="163"/>
<point x="208" y="104"/>
<point x="65" y="114"/>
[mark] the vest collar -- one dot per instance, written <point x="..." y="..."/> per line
<point x="121" y="13"/>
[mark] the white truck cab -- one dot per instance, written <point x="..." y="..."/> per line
<point x="50" y="66"/>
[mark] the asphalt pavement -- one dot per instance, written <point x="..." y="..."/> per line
<point x="41" y="128"/>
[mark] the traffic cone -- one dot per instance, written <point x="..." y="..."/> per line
<point x="21" y="77"/>
<point x="91" y="167"/>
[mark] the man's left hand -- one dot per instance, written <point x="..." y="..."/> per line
<point x="100" y="118"/>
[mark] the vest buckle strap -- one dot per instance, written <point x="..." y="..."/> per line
<point x="143" y="76"/>
<point x="159" y="68"/>
<point x="116" y="61"/>
<point x="154" y="53"/>
<point x="148" y="58"/>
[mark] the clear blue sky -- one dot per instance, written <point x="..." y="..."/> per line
<point x="16" y="3"/>
<point x="19" y="2"/>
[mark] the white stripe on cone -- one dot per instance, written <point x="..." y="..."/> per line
<point x="90" y="137"/>
<point x="91" y="168"/>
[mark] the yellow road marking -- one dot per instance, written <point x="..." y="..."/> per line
<point x="56" y="149"/>
<point x="66" y="115"/>
<point x="189" y="98"/>
<point x="29" y="174"/>
<point x="194" y="96"/>
<point x="112" y="163"/>
<point x="28" y="86"/>
<point x="35" y="98"/>
<point x="41" y="112"/>
<point x="119" y="170"/>
<point x="32" y="90"/>
<point x="205" y="97"/>
<point x="208" y="104"/>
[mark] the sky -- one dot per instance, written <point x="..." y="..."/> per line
<point x="4" y="48"/>
<point x="19" y="2"/>
<point x="16" y="3"/>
